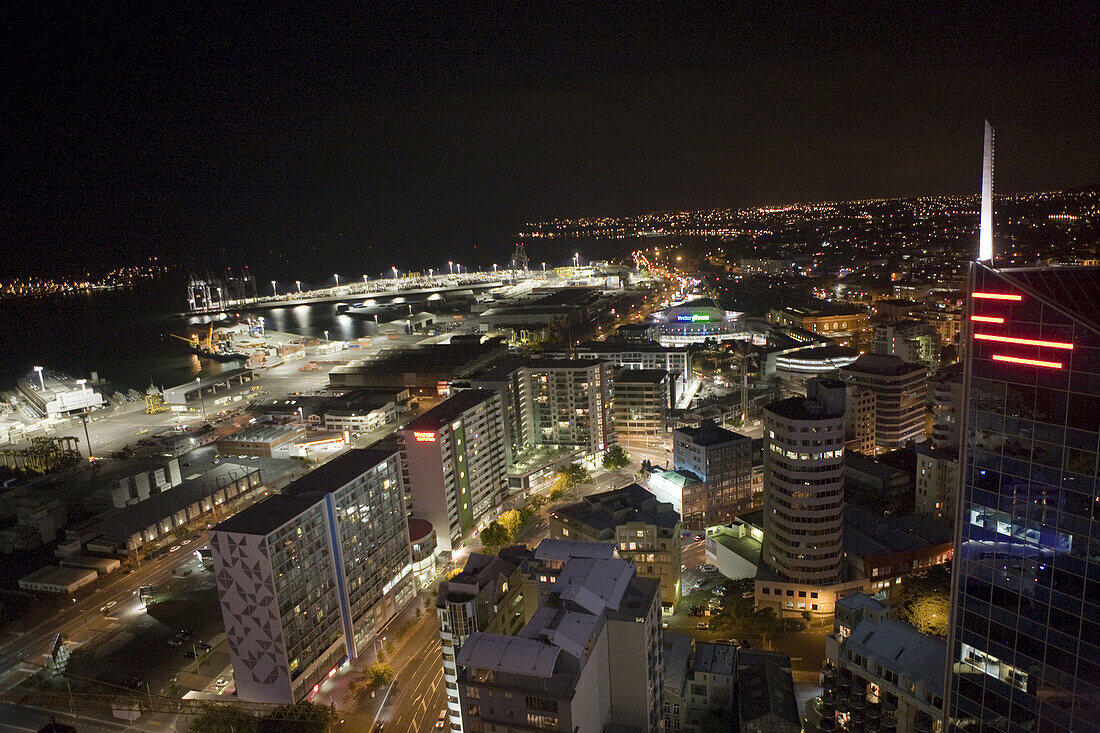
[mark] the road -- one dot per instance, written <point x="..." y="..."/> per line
<point x="417" y="695"/>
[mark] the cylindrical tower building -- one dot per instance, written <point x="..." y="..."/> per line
<point x="804" y="484"/>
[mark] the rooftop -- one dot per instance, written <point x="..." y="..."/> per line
<point x="609" y="509"/>
<point x="883" y="365"/>
<point x="710" y="433"/>
<point x="503" y="653"/>
<point x="264" y="517"/>
<point x="451" y="408"/>
<point x="765" y="691"/>
<point x="715" y="658"/>
<point x="640" y="376"/>
<point x="261" y="433"/>
<point x="902" y="649"/>
<point x="867" y="534"/>
<point x="801" y="408"/>
<point x="341" y="471"/>
<point x="122" y="523"/>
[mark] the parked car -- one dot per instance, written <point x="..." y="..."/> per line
<point x="698" y="537"/>
<point x="442" y="720"/>
<point x="204" y="646"/>
<point x="190" y="655"/>
<point x="702" y="626"/>
<point x="175" y="641"/>
<point x="186" y="634"/>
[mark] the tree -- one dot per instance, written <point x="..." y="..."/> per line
<point x="556" y="491"/>
<point x="924" y="601"/>
<point x="578" y="474"/>
<point x="301" y="717"/>
<point x="615" y="458"/>
<point x="512" y="522"/>
<point x="494" y="535"/>
<point x="379" y="674"/>
<point x="219" y="718"/>
<point x="537" y="502"/>
<point x="765" y="623"/>
<point x="718" y="721"/>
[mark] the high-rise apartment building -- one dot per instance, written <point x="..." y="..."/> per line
<point x="937" y="482"/>
<point x="455" y="459"/>
<point x="859" y="420"/>
<point x="722" y="459"/>
<point x="307" y="577"/>
<point x="555" y="402"/>
<point x="947" y="406"/>
<point x="804" y="485"/>
<point x="900" y="390"/>
<point x="641" y="405"/>
<point x="634" y="355"/>
<point x="1024" y="645"/>
<point x="644" y="530"/>
<point x="589" y="658"/>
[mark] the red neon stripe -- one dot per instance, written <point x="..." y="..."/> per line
<point x="997" y="296"/>
<point x="987" y="319"/>
<point x="1023" y="342"/>
<point x="1028" y="362"/>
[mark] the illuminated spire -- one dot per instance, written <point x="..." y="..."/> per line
<point x="985" y="234"/>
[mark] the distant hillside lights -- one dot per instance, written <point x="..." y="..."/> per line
<point x="122" y="277"/>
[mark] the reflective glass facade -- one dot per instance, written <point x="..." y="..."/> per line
<point x="1024" y="650"/>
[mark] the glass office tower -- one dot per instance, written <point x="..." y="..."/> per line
<point x="1024" y="650"/>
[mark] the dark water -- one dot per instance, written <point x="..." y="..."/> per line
<point x="122" y="335"/>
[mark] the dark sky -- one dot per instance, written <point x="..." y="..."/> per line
<point x="303" y="141"/>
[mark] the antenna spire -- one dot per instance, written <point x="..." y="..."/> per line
<point x="985" y="232"/>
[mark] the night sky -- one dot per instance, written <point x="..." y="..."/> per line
<point x="303" y="142"/>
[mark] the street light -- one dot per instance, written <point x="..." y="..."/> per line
<point x="299" y="284"/>
<point x="576" y="259"/>
<point x="451" y="266"/>
<point x="274" y="291"/>
<point x="326" y="335"/>
<point x="494" y="267"/>
<point x="87" y="438"/>
<point x="202" y="400"/>
<point x="364" y="279"/>
<point x="336" y="278"/>
<point x="41" y="380"/>
<point x="394" y="268"/>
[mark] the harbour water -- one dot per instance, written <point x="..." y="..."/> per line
<point x="122" y="335"/>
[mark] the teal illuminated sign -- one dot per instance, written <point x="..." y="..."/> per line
<point x="694" y="317"/>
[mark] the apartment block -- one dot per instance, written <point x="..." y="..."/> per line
<point x="880" y="674"/>
<point x="555" y="402"/>
<point x="641" y="405"/>
<point x="900" y="390"/>
<point x="307" y="577"/>
<point x="487" y="595"/>
<point x="589" y="658"/>
<point x="455" y="459"/>
<point x="722" y="459"/>
<point x="937" y="482"/>
<point x="644" y="530"/>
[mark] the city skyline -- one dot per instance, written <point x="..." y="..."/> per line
<point x="289" y="136"/>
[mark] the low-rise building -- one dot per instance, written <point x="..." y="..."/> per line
<point x="589" y="658"/>
<point x="887" y="549"/>
<point x="643" y="529"/>
<point x="261" y="440"/>
<point x="880" y="674"/>
<point x="53" y="579"/>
